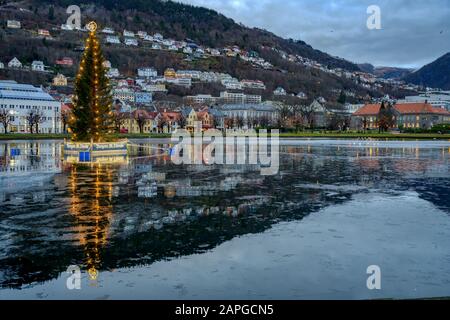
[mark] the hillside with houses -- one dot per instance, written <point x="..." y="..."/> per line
<point x="130" y="44"/>
<point x="164" y="80"/>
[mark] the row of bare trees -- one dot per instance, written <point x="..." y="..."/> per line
<point x="295" y="116"/>
<point x="300" y="117"/>
<point x="33" y="119"/>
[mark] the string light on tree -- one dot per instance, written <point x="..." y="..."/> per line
<point x="92" y="99"/>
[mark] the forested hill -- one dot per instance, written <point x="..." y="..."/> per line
<point x="181" y="21"/>
<point x="435" y="74"/>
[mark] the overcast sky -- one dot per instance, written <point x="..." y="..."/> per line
<point x="414" y="32"/>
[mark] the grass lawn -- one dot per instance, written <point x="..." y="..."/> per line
<point x="347" y="135"/>
<point x="355" y="135"/>
<point x="28" y="136"/>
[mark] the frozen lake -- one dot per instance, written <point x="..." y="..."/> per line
<point x="153" y="230"/>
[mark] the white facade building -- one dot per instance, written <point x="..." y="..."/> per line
<point x="13" y="24"/>
<point x="113" y="73"/>
<point x="131" y="42"/>
<point x="66" y="27"/>
<point x="232" y="84"/>
<point x="185" y="82"/>
<point x="239" y="98"/>
<point x="127" y="33"/>
<point x="37" y="66"/>
<point x="253" y="84"/>
<point x="202" y="99"/>
<point x="147" y="73"/>
<point x="113" y="39"/>
<point x="249" y="111"/>
<point x="440" y="99"/>
<point x="124" y="93"/>
<point x="148" y="38"/>
<point x="279" y="91"/>
<point x="108" y="30"/>
<point x="142" y="34"/>
<point x="19" y="100"/>
<point x="15" y="63"/>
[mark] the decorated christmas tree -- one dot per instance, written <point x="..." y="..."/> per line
<point x="91" y="115"/>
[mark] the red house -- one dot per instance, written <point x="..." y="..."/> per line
<point x="65" y="62"/>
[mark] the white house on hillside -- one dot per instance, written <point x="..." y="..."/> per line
<point x="131" y="42"/>
<point x="13" y="24"/>
<point x="279" y="91"/>
<point x="113" y="39"/>
<point x="113" y="73"/>
<point x="108" y="30"/>
<point x="127" y="33"/>
<point x="147" y="73"/>
<point x="148" y="38"/>
<point x="37" y="66"/>
<point x="66" y="27"/>
<point x="15" y="63"/>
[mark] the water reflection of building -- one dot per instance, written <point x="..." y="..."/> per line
<point x="27" y="165"/>
<point x="29" y="158"/>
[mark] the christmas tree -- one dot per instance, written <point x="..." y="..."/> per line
<point x="92" y="103"/>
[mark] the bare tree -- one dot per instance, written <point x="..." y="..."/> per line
<point x="365" y="122"/>
<point x="228" y="123"/>
<point x="216" y="122"/>
<point x="140" y="119"/>
<point x="30" y="120"/>
<point x="182" y="121"/>
<point x="337" y="122"/>
<point x="118" y="119"/>
<point x="5" y="119"/>
<point x="307" y="112"/>
<point x="34" y="119"/>
<point x="297" y="118"/>
<point x="65" y="118"/>
<point x="162" y="121"/>
<point x="263" y="121"/>
<point x="252" y="121"/>
<point x="238" y="122"/>
<point x="284" y="113"/>
<point x="38" y="119"/>
<point x="386" y="117"/>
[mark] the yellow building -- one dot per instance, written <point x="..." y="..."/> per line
<point x="134" y="121"/>
<point x="60" y="80"/>
<point x="170" y="73"/>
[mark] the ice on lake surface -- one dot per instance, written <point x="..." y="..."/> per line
<point x="154" y="230"/>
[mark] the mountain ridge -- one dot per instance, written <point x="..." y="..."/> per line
<point x="179" y="22"/>
<point x="435" y="74"/>
<point x="203" y="25"/>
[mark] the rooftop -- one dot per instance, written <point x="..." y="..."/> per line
<point x="255" y="107"/>
<point x="14" y="90"/>
<point x="402" y="108"/>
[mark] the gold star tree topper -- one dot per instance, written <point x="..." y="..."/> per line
<point x="92" y="26"/>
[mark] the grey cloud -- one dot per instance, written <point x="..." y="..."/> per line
<point x="413" y="32"/>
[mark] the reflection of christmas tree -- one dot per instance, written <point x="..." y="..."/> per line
<point x="93" y="212"/>
<point x="91" y="116"/>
